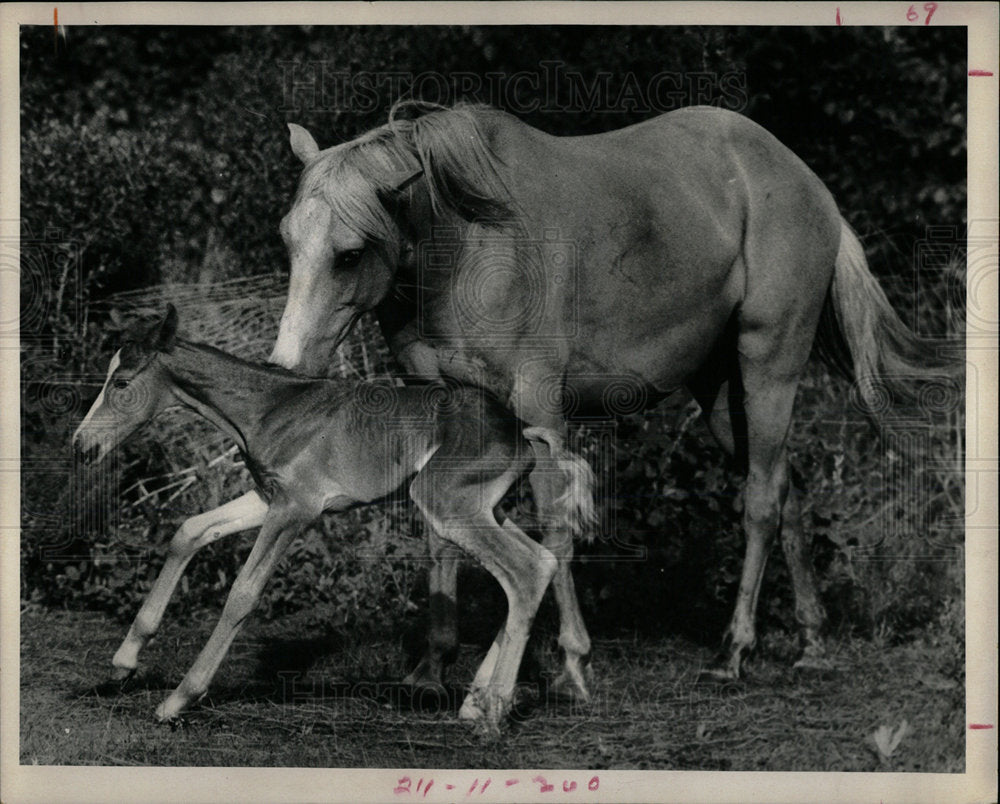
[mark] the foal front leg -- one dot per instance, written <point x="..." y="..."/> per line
<point x="277" y="531"/>
<point x="195" y="533"/>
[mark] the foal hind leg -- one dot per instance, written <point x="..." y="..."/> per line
<point x="459" y="506"/>
<point x="442" y="633"/>
<point x="195" y="533"/>
<point x="719" y="409"/>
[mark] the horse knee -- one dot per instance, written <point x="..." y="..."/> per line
<point x="761" y="515"/>
<point x="764" y="499"/>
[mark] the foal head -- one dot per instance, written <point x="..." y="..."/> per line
<point x="137" y="387"/>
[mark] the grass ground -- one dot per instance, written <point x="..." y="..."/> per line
<point x="290" y="694"/>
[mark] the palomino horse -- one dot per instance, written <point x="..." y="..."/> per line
<point x="693" y="249"/>
<point x="329" y="445"/>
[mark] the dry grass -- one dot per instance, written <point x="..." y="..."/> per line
<point x="291" y="695"/>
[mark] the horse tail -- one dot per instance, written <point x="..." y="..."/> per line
<point x="863" y="338"/>
<point x="576" y="504"/>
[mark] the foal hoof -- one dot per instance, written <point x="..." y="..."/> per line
<point x="122" y="674"/>
<point x="472" y="707"/>
<point x="169" y="711"/>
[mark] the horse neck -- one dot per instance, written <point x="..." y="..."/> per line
<point x="231" y="393"/>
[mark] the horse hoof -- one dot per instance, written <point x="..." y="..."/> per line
<point x="720" y="674"/>
<point x="571" y="687"/>
<point x="814" y="664"/>
<point x="425" y="683"/>
<point x="122" y="674"/>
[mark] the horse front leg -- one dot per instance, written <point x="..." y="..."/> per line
<point x="442" y="634"/>
<point x="195" y="533"/>
<point x="275" y="534"/>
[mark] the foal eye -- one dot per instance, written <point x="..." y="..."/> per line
<point x="120" y="384"/>
<point x="350" y="258"/>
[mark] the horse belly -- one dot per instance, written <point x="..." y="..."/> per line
<point x="655" y="307"/>
<point x="660" y="352"/>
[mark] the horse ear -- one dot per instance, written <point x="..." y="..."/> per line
<point x="394" y="184"/>
<point x="303" y="144"/>
<point x="166" y="331"/>
<point x="402" y="179"/>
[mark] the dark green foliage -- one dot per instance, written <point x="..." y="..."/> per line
<point x="161" y="156"/>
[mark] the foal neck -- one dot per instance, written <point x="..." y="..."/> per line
<point x="232" y="393"/>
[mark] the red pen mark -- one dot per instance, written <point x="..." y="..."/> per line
<point x="838" y="15"/>
<point x="594" y="783"/>
<point x="980" y="72"/>
<point x="511" y="782"/>
<point x="569" y="787"/>
<point x="913" y="16"/>
<point x="980" y="725"/>
<point x="545" y="786"/>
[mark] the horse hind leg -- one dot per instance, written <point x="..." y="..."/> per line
<point x="809" y="613"/>
<point x="442" y="633"/>
<point x="547" y="483"/>
<point x="717" y="397"/>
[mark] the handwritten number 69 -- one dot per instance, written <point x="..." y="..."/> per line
<point x="913" y="16"/>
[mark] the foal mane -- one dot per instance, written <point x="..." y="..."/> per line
<point x="447" y="144"/>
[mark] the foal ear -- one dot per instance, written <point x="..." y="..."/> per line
<point x="166" y="331"/>
<point x="303" y="144"/>
<point x="117" y="321"/>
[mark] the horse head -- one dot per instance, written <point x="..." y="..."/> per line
<point x="135" y="389"/>
<point x="363" y="209"/>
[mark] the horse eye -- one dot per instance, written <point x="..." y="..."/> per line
<point x="350" y="258"/>
<point x="120" y="384"/>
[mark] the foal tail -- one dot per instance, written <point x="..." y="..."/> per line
<point x="862" y="337"/>
<point x="576" y="504"/>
